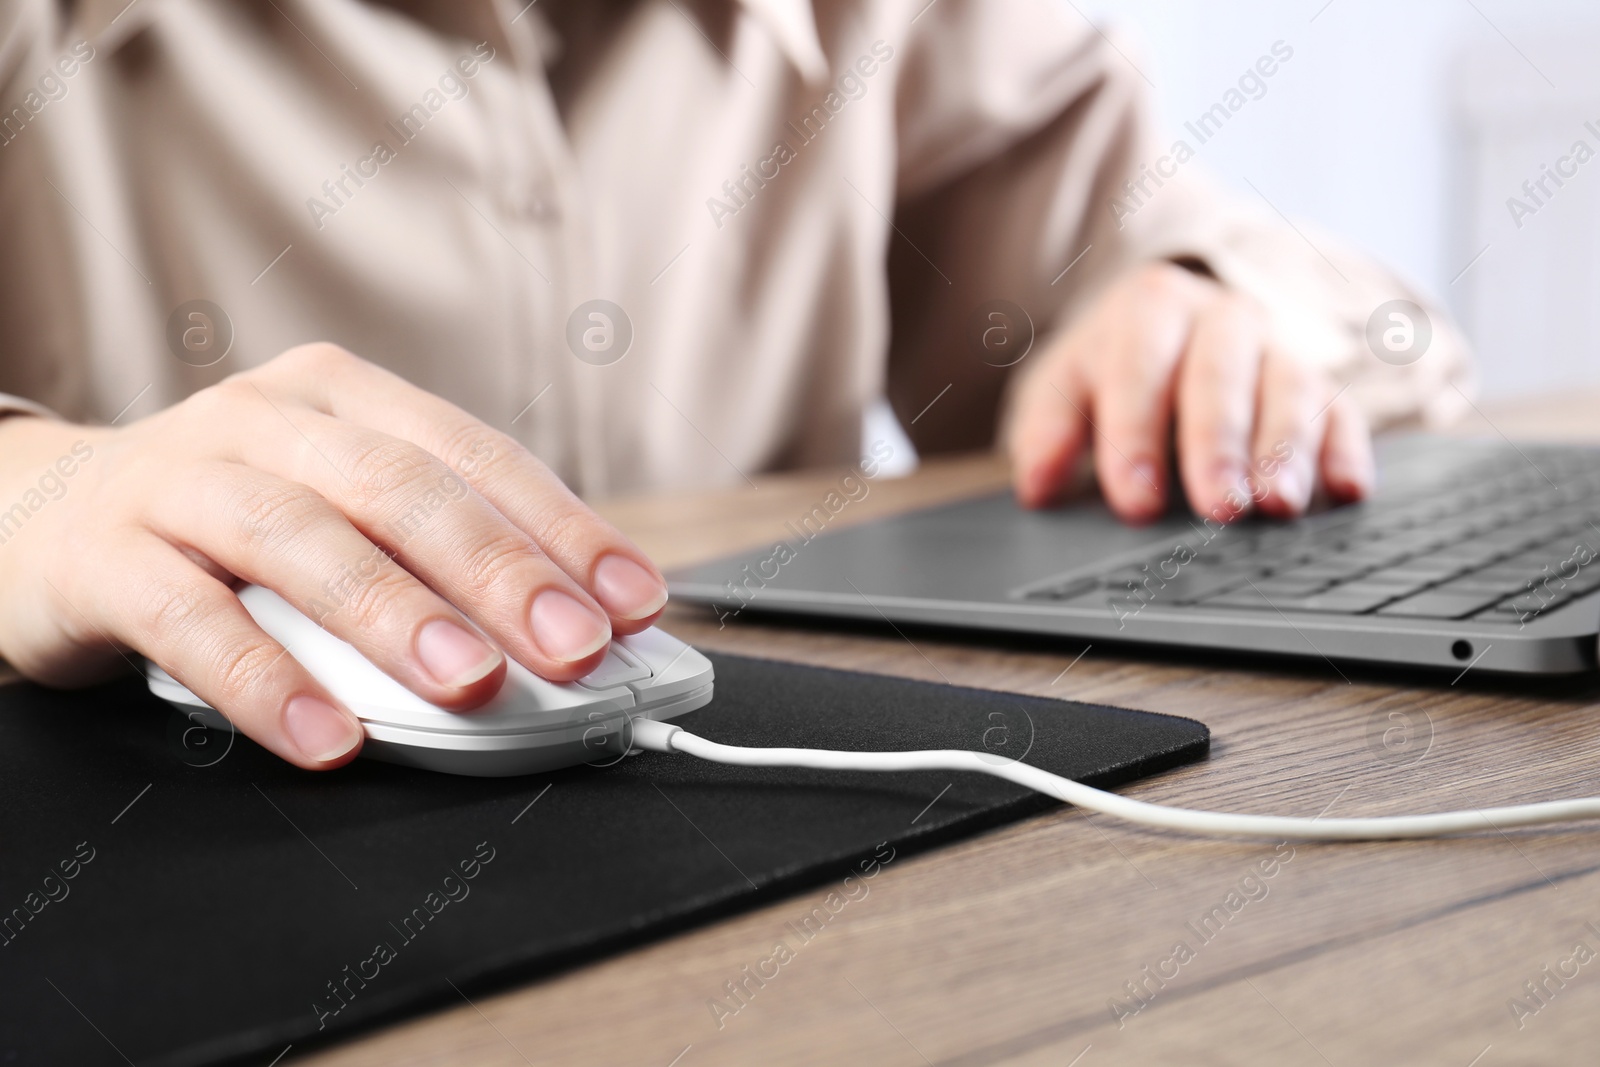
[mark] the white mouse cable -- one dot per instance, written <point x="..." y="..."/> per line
<point x="655" y="736"/>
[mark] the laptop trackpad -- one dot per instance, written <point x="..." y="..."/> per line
<point x="980" y="550"/>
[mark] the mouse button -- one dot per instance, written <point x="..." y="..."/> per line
<point x="348" y="675"/>
<point x="525" y="703"/>
<point x="167" y="687"/>
<point x="654" y="648"/>
<point x="622" y="653"/>
<point x="618" y="668"/>
<point x="525" y="690"/>
<point x="686" y="671"/>
<point x="511" y="719"/>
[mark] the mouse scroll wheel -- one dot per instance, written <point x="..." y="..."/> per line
<point x="618" y="668"/>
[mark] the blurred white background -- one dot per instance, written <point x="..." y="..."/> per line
<point x="1404" y="126"/>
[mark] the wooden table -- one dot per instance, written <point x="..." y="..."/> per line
<point x="1013" y="947"/>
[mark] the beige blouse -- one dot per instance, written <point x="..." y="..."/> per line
<point x="786" y="211"/>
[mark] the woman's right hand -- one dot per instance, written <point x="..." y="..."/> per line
<point x="389" y="516"/>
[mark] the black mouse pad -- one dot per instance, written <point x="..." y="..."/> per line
<point x="170" y="895"/>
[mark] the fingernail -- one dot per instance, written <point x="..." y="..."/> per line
<point x="319" y="730"/>
<point x="1228" y="478"/>
<point x="455" y="656"/>
<point x="1147" y="483"/>
<point x="1352" y="479"/>
<point x="626" y="589"/>
<point x="565" y="629"/>
<point x="1291" y="488"/>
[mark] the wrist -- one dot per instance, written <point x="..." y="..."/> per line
<point x="28" y="441"/>
<point x="39" y="458"/>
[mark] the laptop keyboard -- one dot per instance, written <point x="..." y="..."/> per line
<point x="1501" y="539"/>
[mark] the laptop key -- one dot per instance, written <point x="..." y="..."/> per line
<point x="1289" y="587"/>
<point x="1478" y="582"/>
<point x="1553" y="584"/>
<point x="1532" y="604"/>
<point x="1066" y="590"/>
<point x="1504" y="617"/>
<point x="1328" y="570"/>
<point x="1187" y="587"/>
<point x="1513" y="577"/>
<point x="1436" y="605"/>
<point x="1408" y="577"/>
<point x="1356" y="598"/>
<point x="1465" y="556"/>
<point x="1518" y="611"/>
<point x="1242" y="597"/>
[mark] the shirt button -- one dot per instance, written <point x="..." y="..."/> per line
<point x="534" y="203"/>
<point x="544" y="207"/>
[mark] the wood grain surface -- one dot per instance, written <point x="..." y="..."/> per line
<point x="1018" y="947"/>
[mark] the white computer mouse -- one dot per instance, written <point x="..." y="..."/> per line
<point x="532" y="725"/>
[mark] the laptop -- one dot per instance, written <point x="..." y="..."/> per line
<point x="1481" y="554"/>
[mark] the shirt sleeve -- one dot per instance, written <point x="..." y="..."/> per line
<point x="18" y="405"/>
<point x="1029" y="173"/>
<point x="29" y="29"/>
